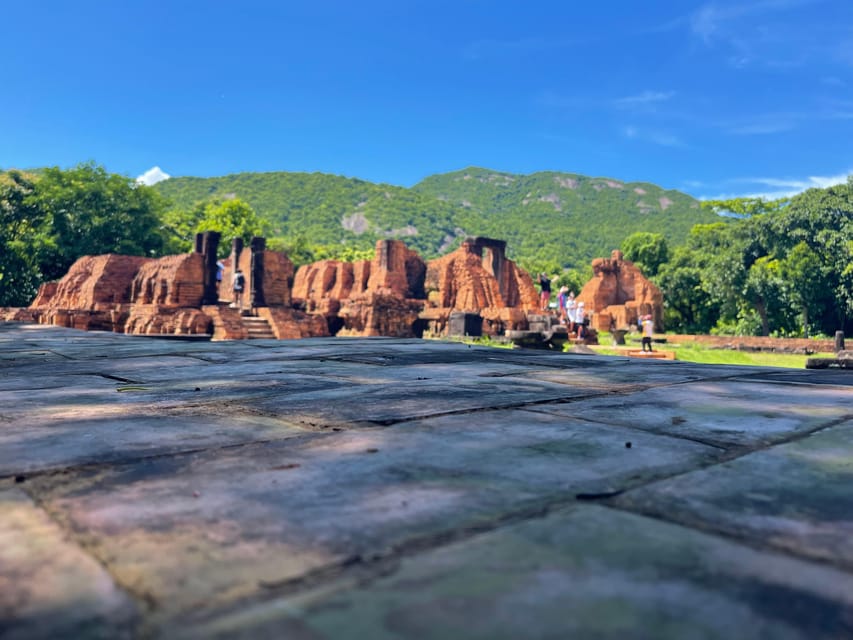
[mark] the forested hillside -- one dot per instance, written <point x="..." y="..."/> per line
<point x="324" y="209"/>
<point x="565" y="218"/>
<point x="562" y="220"/>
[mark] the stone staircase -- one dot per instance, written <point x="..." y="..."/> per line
<point x="258" y="328"/>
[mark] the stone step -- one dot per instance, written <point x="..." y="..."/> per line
<point x="258" y="328"/>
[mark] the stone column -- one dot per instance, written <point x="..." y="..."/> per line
<point x="236" y="250"/>
<point x="209" y="246"/>
<point x="256" y="283"/>
<point x="839" y="341"/>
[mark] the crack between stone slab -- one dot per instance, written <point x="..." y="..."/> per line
<point x="694" y="439"/>
<point x="792" y="383"/>
<point x="707" y="527"/>
<point x="389" y="422"/>
<point x="23" y="477"/>
<point x="368" y="566"/>
<point x="143" y="600"/>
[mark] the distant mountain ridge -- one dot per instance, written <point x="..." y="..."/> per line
<point x="546" y="216"/>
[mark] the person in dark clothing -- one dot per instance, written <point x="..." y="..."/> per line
<point x="545" y="287"/>
<point x="238" y="284"/>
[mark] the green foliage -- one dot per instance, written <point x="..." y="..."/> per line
<point x="557" y="220"/>
<point x="785" y="271"/>
<point x="87" y="211"/>
<point x="648" y="251"/>
<point x="19" y="223"/>
<point x="567" y="219"/>
<point x="744" y="207"/>
<point x="53" y="217"/>
<point x="328" y="210"/>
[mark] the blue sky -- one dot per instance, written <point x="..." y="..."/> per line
<point x="711" y="98"/>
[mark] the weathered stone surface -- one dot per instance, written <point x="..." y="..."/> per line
<point x="478" y="277"/>
<point x="170" y="281"/>
<point x="392" y="487"/>
<point x="376" y="298"/>
<point x="322" y="499"/>
<point x="157" y="320"/>
<point x="396" y="269"/>
<point x="378" y="313"/>
<point x="722" y="413"/>
<point x="277" y="276"/>
<point x="49" y="587"/>
<point x="290" y="324"/>
<point x="618" y="293"/>
<point x="92" y="283"/>
<point x="584" y="572"/>
<point x="794" y="497"/>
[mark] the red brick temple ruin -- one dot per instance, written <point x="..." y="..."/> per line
<point x="475" y="290"/>
<point x="395" y="294"/>
<point x="618" y="294"/>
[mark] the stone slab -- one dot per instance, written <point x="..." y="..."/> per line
<point x="796" y="497"/>
<point x="726" y="413"/>
<point x="197" y="531"/>
<point x="406" y="488"/>
<point x="584" y="572"/>
<point x="49" y="587"/>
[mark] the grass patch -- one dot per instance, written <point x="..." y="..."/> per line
<point x="703" y="354"/>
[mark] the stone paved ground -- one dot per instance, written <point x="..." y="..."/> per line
<point x="382" y="488"/>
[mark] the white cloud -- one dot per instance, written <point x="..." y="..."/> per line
<point x="661" y="138"/>
<point x="781" y="187"/>
<point x="644" y="99"/>
<point x="153" y="176"/>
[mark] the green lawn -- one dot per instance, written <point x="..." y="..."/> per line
<point x="686" y="353"/>
<point x="707" y="355"/>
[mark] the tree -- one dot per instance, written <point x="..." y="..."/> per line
<point x="744" y="207"/>
<point x="765" y="288"/>
<point x="803" y="270"/>
<point x="648" y="251"/>
<point x="232" y="217"/>
<point x="688" y="307"/>
<point x="88" y="211"/>
<point x="19" y="223"/>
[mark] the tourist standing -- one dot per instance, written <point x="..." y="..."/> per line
<point x="580" y="319"/>
<point x="561" y="304"/>
<point x="571" y="310"/>
<point x="648" y="329"/>
<point x="238" y="284"/>
<point x="220" y="268"/>
<point x="545" y="294"/>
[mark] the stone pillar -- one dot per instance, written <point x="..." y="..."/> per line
<point x="839" y="341"/>
<point x="257" y="279"/>
<point x="209" y="246"/>
<point x="236" y="250"/>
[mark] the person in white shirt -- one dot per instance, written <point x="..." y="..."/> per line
<point x="648" y="329"/>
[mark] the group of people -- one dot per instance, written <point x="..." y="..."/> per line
<point x="571" y="311"/>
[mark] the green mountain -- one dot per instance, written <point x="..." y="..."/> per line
<point x="564" y="218"/>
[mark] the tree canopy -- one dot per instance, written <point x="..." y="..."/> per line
<point x="51" y="218"/>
